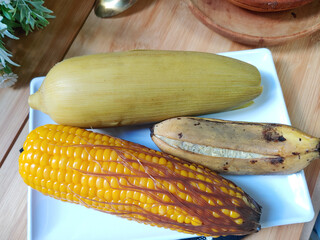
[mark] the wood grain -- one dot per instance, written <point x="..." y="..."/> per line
<point x="13" y="195"/>
<point x="167" y="25"/>
<point x="37" y="53"/>
<point x="288" y="232"/>
<point x="307" y="228"/>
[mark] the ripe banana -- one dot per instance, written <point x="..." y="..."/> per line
<point x="232" y="147"/>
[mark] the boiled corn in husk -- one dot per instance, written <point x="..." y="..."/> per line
<point x="134" y="87"/>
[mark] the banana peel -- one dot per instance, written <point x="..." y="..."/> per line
<point x="234" y="147"/>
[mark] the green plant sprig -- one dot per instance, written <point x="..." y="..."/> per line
<point x="25" y="14"/>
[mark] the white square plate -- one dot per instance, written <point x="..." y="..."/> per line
<point x="285" y="199"/>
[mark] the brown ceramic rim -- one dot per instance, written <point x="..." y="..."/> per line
<point x="246" y="38"/>
<point x="265" y="6"/>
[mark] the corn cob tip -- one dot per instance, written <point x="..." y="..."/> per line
<point x="35" y="101"/>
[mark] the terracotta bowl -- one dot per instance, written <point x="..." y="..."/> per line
<point x="257" y="28"/>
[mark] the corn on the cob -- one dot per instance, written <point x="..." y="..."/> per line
<point x="136" y="87"/>
<point x="134" y="182"/>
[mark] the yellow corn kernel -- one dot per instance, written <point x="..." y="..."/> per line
<point x="119" y="168"/>
<point x="150" y="184"/>
<point x="234" y="214"/>
<point x="155" y="159"/>
<point x="195" y="221"/>
<point x="165" y="198"/>
<point x="208" y="180"/>
<point x="99" y="183"/>
<point x="92" y="192"/>
<point x="136" y="182"/>
<point x="188" y="198"/>
<point x="113" y="157"/>
<point x="223" y="189"/>
<point x="97" y="168"/>
<point x="239" y="221"/>
<point x="114" y="182"/>
<point x="202" y="187"/>
<point x="235" y="202"/>
<point x="46" y="172"/>
<point x="239" y="189"/>
<point x="200" y="176"/>
<point x="191" y="175"/>
<point x="106" y="154"/>
<point x="76" y="177"/>
<point x="77" y="189"/>
<point x="174" y="217"/>
<point x="187" y="220"/>
<point x="211" y="202"/>
<point x="162" y="161"/>
<point x="245" y="200"/>
<point x="155" y="209"/>
<point x="162" y="210"/>
<point x="136" y="195"/>
<point x="181" y="218"/>
<point x="115" y="195"/>
<point x="108" y="195"/>
<point x="215" y="214"/>
<point x="172" y="188"/>
<point x="182" y="195"/>
<point x="150" y="200"/>
<point x="33" y="169"/>
<point x="232" y="193"/>
<point x="225" y="211"/>
<point x="43" y="182"/>
<point x="238" y="195"/>
<point x="44" y="160"/>
<point x="219" y="202"/>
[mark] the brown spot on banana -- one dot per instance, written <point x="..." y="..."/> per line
<point x="276" y="161"/>
<point x="270" y="134"/>
<point x="249" y="148"/>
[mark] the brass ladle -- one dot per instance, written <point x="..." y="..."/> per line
<point x="110" y="8"/>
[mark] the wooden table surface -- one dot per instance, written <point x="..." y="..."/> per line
<point x="158" y="24"/>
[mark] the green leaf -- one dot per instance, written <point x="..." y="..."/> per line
<point x="25" y="14"/>
<point x="6" y="14"/>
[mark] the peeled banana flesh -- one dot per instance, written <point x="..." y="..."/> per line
<point x="232" y="147"/>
